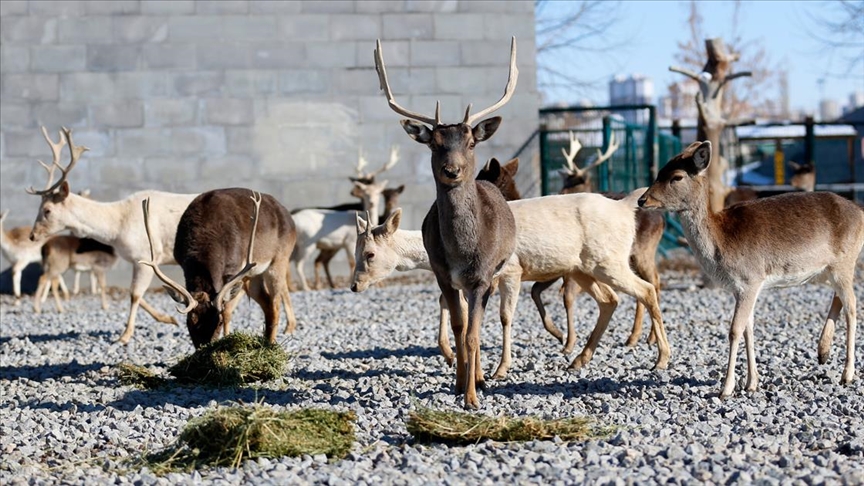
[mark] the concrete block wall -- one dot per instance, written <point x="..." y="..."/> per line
<point x="187" y="96"/>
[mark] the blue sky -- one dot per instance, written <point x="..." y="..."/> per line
<point x="655" y="28"/>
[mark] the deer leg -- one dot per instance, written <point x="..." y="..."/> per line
<point x="827" y="336"/>
<point x="607" y="302"/>
<point x="62" y="283"/>
<point x="744" y="304"/>
<point x="291" y="324"/>
<point x="571" y="290"/>
<point x="228" y="311"/>
<point x="17" y="269"/>
<point x="349" y="252"/>
<point x="509" y="287"/>
<point x="100" y="276"/>
<point x="141" y="277"/>
<point x="477" y="300"/>
<point x="40" y="289"/>
<point x="269" y="303"/>
<point x="847" y="297"/>
<point x="55" y="283"/>
<point x="316" y="268"/>
<point x="536" y="295"/>
<point x="44" y="296"/>
<point x="76" y="283"/>
<point x="443" y="339"/>
<point x="93" y="280"/>
<point x="457" y="324"/>
<point x="324" y="257"/>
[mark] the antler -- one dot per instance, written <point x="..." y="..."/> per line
<point x="169" y="283"/>
<point x="575" y="147"/>
<point x="508" y="90"/>
<point x="361" y="163"/>
<point x="238" y="278"/>
<point x="604" y="156"/>
<point x="385" y="85"/>
<point x="394" y="159"/>
<point x="56" y="148"/>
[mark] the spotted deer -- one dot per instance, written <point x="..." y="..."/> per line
<point x="469" y="233"/>
<point x="65" y="252"/>
<point x="222" y="250"/>
<point x="777" y="241"/>
<point x="117" y="224"/>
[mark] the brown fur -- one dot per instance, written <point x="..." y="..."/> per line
<point x="739" y="194"/>
<point x="60" y="253"/>
<point x="502" y="176"/>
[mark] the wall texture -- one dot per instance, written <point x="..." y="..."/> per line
<point x="188" y="96"/>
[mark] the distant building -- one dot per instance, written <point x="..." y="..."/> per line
<point x="829" y="110"/>
<point x="632" y="90"/>
<point x="856" y="100"/>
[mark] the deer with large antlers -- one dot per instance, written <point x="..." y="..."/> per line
<point x="778" y="241"/>
<point x="117" y="224"/>
<point x="578" y="179"/>
<point x="469" y="233"/>
<point x="222" y="250"/>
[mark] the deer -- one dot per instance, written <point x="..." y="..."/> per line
<point x="502" y="176"/>
<point x="61" y="253"/>
<point x="117" y="224"/>
<point x="21" y="251"/>
<point x="649" y="232"/>
<point x="778" y="241"/>
<point x="212" y="235"/>
<point x="324" y="229"/>
<point x="76" y="284"/>
<point x="803" y="176"/>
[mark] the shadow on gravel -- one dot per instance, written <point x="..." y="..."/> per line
<point x="586" y="386"/>
<point x="381" y="353"/>
<point x="193" y="397"/>
<point x="41" y="338"/>
<point x="47" y="372"/>
<point x="346" y="374"/>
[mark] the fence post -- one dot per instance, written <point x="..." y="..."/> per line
<point x="606" y="172"/>
<point x="544" y="170"/>
<point x="809" y="141"/>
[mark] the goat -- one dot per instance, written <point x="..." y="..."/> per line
<point x="211" y="236"/>
<point x="21" y="251"/>
<point x="776" y="241"/>
<point x="117" y="224"/>
<point x="62" y="253"/>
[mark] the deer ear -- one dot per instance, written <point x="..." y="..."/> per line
<point x="391" y="224"/>
<point x="400" y="189"/>
<point x="417" y="131"/>
<point x="793" y="165"/>
<point x="493" y="170"/>
<point x="62" y="192"/>
<point x="486" y="128"/>
<point x="512" y="167"/>
<point x="361" y="224"/>
<point x="702" y="156"/>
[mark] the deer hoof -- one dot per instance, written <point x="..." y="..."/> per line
<point x="124" y="339"/>
<point x="632" y="341"/>
<point x="472" y="403"/>
<point x="847" y="377"/>
<point x="823" y="358"/>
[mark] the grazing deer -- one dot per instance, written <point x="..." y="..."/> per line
<point x="803" y="176"/>
<point x="117" y="224"/>
<point x="211" y="238"/>
<point x="469" y="233"/>
<point x="649" y="231"/>
<point x="61" y="253"/>
<point x="777" y="241"/>
<point x="21" y="251"/>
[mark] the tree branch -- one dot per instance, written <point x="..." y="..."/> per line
<point x="730" y="78"/>
<point x="686" y="72"/>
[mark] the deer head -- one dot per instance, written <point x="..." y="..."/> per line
<point x="53" y="210"/>
<point x="203" y="312"/>
<point x="369" y="177"/>
<point x="576" y="179"/>
<point x="391" y="199"/>
<point x="452" y="146"/>
<point x="503" y="176"/>
<point x="803" y="177"/>
<point x="370" y="194"/>
<point x="374" y="254"/>
<point x="681" y="182"/>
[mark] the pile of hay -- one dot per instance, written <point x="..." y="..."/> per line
<point x="234" y="360"/>
<point x="134" y="375"/>
<point x="467" y="428"/>
<point x="228" y="435"/>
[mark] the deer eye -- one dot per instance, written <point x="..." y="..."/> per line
<point x="677" y="178"/>
<point x="471" y="145"/>
<point x="370" y="257"/>
<point x="46" y="212"/>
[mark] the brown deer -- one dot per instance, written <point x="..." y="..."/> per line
<point x="62" y="253"/>
<point x="211" y="236"/>
<point x="578" y="180"/>
<point x="469" y="233"/>
<point x="21" y="251"/>
<point x="777" y="241"/>
<point x="502" y="176"/>
<point x="803" y="176"/>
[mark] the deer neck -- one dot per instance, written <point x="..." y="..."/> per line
<point x="370" y="203"/>
<point x="702" y="230"/>
<point x="92" y="219"/>
<point x="457" y="210"/>
<point x="408" y="245"/>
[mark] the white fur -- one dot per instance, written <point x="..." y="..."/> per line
<point x="323" y="229"/>
<point x="21" y="252"/>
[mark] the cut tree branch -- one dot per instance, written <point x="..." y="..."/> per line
<point x="686" y="72"/>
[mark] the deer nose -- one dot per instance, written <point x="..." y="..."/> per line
<point x="32" y="236"/>
<point x="353" y="287"/>
<point x="452" y="173"/>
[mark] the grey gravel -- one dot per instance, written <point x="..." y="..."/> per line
<point x="66" y="418"/>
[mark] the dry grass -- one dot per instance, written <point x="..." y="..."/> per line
<point x="467" y="428"/>
<point x="228" y="435"/>
<point x="134" y="375"/>
<point x="234" y="360"/>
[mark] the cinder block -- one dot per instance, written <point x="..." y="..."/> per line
<point x="511" y="6"/>
<point x="304" y="81"/>
<point x="128" y="114"/>
<point x="37" y="87"/>
<point x="100" y="142"/>
<point x="448" y="6"/>
<point x="57" y="59"/>
<point x="355" y="27"/>
<point x="223" y="56"/>
<point x="396" y="53"/>
<point x="221" y="7"/>
<point x="142" y="142"/>
<point x="28" y="30"/>
<point x="170" y="112"/>
<point x="328" y="6"/>
<point x="312" y="113"/>
<point x="64" y="114"/>
<point x="16" y="114"/>
<point x="116" y="172"/>
<point x="284" y="55"/>
<point x="375" y="109"/>
<point x="14" y="59"/>
<point x="240" y="140"/>
<point x="136" y="29"/>
<point x="435" y="53"/>
<point x="249" y="28"/>
<point x="198" y="140"/>
<point x="462" y="80"/>
<point x="408" y="26"/>
<point x="497" y="26"/>
<point x="25" y="143"/>
<point x="198" y="83"/>
<point x="195" y="28"/>
<point x="112" y="7"/>
<point x="249" y="84"/>
<point x="227" y="169"/>
<point x="171" y="172"/>
<point x="168" y="56"/>
<point x="113" y="57"/>
<point x="141" y="85"/>
<point x="332" y="54"/>
<point x="228" y="111"/>
<point x="85" y="30"/>
<point x="13" y="7"/>
<point x="463" y="26"/>
<point x="167" y="7"/>
<point x="57" y="8"/>
<point x="452" y="106"/>
<point x="271" y="7"/>
<point x="379" y="6"/>
<point x="487" y="53"/>
<point x="305" y="27"/>
<point x="362" y="81"/>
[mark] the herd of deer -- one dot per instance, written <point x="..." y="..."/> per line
<point x="478" y="236"/>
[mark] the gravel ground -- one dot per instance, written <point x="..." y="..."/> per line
<point x="66" y="418"/>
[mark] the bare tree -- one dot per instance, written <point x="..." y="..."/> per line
<point x="839" y="28"/>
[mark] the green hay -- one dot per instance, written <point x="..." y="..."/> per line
<point x="429" y="425"/>
<point x="234" y="360"/>
<point x="228" y="435"/>
<point x="134" y="375"/>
